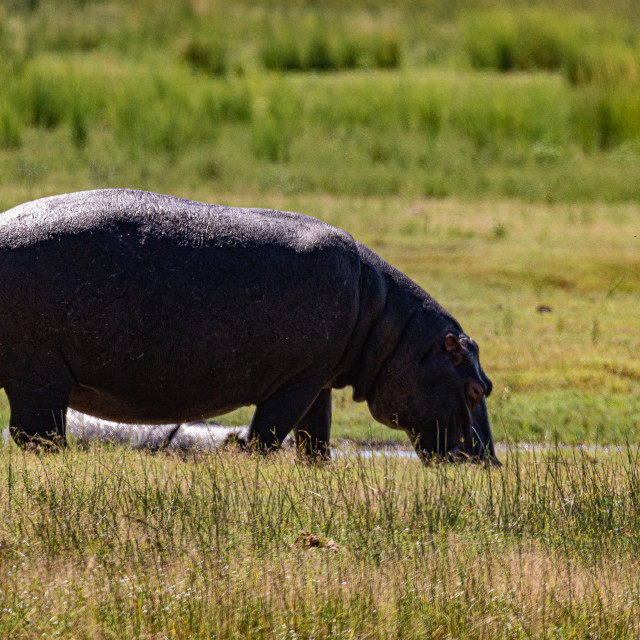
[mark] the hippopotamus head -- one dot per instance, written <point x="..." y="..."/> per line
<point x="436" y="394"/>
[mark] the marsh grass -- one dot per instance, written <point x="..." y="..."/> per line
<point x="105" y="543"/>
<point x="324" y="48"/>
<point x="538" y="103"/>
<point x="584" y="48"/>
<point x="423" y="133"/>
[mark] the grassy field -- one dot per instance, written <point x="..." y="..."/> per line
<point x="110" y="543"/>
<point x="490" y="150"/>
<point x="539" y="103"/>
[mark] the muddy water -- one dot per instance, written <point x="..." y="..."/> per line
<point x="211" y="435"/>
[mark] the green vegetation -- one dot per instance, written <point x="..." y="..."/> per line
<point x="490" y="150"/>
<point x="419" y="131"/>
<point x="111" y="543"/>
<point x="536" y="101"/>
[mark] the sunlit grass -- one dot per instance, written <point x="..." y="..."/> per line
<point x="492" y="153"/>
<point x="424" y="132"/>
<point x="107" y="542"/>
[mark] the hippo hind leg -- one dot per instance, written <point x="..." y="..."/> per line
<point x="313" y="429"/>
<point x="276" y="416"/>
<point x="38" y="413"/>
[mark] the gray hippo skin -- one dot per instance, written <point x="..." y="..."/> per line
<point x="144" y="308"/>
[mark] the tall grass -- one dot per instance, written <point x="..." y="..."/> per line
<point x="11" y="128"/>
<point x="606" y="117"/>
<point x="183" y="91"/>
<point x="505" y="40"/>
<point x="323" y="48"/>
<point x="104" y="543"/>
<point x="585" y="48"/>
<point x="431" y="133"/>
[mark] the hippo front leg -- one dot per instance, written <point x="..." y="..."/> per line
<point x="38" y="414"/>
<point x="313" y="429"/>
<point x="276" y="416"/>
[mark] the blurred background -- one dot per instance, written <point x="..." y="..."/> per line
<point x="489" y="149"/>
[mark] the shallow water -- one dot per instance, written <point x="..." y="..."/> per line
<point x="502" y="449"/>
<point x="186" y="435"/>
<point x="212" y="435"/>
<point x="177" y="436"/>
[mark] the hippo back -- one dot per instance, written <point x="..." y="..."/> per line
<point x="163" y="308"/>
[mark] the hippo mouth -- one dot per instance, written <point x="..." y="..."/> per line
<point x="479" y="447"/>
<point x="447" y="441"/>
<point x="473" y="439"/>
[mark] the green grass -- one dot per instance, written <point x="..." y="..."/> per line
<point x="537" y="103"/>
<point x="422" y="132"/>
<point x="106" y="543"/>
<point x="492" y="152"/>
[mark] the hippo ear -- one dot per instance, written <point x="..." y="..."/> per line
<point x="453" y="347"/>
<point x="452" y="343"/>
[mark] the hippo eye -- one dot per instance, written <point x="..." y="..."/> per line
<point x="473" y="347"/>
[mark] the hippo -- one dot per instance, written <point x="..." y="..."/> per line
<point x="139" y="307"/>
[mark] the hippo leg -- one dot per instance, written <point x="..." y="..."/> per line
<point x="276" y="416"/>
<point x="38" y="413"/>
<point x="312" y="431"/>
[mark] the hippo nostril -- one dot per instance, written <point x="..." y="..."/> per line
<point x="475" y="392"/>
